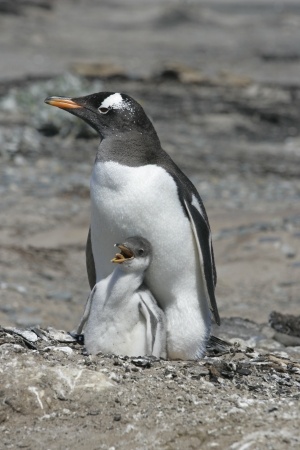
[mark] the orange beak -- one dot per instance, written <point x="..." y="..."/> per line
<point x="62" y="102"/>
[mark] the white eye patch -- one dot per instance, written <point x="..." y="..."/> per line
<point x="115" y="101"/>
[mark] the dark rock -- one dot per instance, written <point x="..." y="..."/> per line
<point x="143" y="362"/>
<point x="216" y="346"/>
<point x="285" y="323"/>
<point x="242" y="370"/>
<point x="117" y="417"/>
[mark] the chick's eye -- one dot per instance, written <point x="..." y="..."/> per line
<point x="141" y="252"/>
<point x="103" y="110"/>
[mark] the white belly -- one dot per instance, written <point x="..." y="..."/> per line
<point x="131" y="201"/>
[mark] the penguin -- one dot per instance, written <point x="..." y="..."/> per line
<point x="121" y="315"/>
<point x="137" y="189"/>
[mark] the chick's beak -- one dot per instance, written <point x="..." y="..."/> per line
<point x="62" y="102"/>
<point x="124" y="255"/>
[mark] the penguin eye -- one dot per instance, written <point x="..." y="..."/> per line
<point x="140" y="252"/>
<point x="103" y="110"/>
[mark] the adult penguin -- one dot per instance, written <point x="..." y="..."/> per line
<point x="137" y="189"/>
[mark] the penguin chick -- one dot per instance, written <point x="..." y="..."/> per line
<point x="121" y="314"/>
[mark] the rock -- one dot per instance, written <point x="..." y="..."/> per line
<point x="285" y="323"/>
<point x="27" y="334"/>
<point x="59" y="335"/>
<point x="50" y="374"/>
<point x="216" y="346"/>
<point x="63" y="382"/>
<point x="144" y="362"/>
<point x="287" y="340"/>
<point x="66" y="350"/>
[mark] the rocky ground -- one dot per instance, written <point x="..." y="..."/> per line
<point x="222" y="88"/>
<point x="60" y="398"/>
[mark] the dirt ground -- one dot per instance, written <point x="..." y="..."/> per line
<point x="220" y="81"/>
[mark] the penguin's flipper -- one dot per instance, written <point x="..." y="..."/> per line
<point x="155" y="324"/>
<point x="90" y="263"/>
<point x="202" y="236"/>
<point x="86" y="312"/>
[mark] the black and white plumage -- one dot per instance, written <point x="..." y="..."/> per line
<point x="136" y="189"/>
<point x="121" y="315"/>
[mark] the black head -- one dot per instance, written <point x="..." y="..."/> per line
<point x="109" y="113"/>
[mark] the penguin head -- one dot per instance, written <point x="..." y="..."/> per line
<point x="109" y="113"/>
<point x="135" y="254"/>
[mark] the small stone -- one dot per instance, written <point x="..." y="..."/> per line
<point x="60" y="335"/>
<point x="141" y="362"/>
<point x="243" y="370"/>
<point x="117" y="417"/>
<point x="66" y="350"/>
<point x="27" y="334"/>
<point x="95" y="412"/>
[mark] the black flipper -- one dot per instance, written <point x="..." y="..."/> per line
<point x="203" y="240"/>
<point x="90" y="263"/>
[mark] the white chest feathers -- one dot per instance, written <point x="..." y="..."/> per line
<point x="131" y="201"/>
<point x="144" y="201"/>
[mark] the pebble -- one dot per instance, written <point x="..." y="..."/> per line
<point x="145" y="362"/>
<point x="60" y="335"/>
<point x="66" y="350"/>
<point x="117" y="417"/>
<point x="27" y="334"/>
<point x="6" y="348"/>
